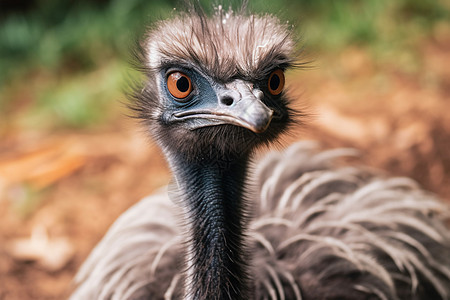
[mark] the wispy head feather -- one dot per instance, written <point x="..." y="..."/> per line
<point x="224" y="45"/>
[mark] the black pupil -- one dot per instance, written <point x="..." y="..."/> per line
<point x="274" y="82"/>
<point x="183" y="84"/>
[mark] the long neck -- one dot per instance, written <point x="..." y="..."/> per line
<point x="212" y="190"/>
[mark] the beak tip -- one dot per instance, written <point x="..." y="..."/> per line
<point x="263" y="123"/>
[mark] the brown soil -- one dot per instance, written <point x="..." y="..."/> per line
<point x="69" y="187"/>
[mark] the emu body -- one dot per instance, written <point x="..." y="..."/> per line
<point x="303" y="228"/>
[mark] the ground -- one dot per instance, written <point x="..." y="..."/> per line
<point x="83" y="180"/>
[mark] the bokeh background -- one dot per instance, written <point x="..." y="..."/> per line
<point x="71" y="160"/>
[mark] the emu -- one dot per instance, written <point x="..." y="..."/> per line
<point x="300" y="226"/>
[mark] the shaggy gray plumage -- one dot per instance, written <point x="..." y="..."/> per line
<point x="318" y="232"/>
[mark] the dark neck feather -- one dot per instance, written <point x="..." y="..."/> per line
<point x="212" y="192"/>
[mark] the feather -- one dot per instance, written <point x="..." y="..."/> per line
<point x="388" y="236"/>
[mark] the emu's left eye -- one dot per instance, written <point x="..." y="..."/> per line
<point x="179" y="85"/>
<point x="276" y="82"/>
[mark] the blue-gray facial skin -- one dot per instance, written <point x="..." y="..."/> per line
<point x="236" y="103"/>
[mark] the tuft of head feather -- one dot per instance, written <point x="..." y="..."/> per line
<point x="226" y="45"/>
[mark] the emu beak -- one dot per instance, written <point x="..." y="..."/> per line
<point x="248" y="112"/>
<point x="236" y="104"/>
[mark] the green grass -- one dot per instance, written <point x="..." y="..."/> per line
<point x="78" y="101"/>
<point x="62" y="63"/>
<point x="68" y="60"/>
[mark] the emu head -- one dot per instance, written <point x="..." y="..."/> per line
<point x="215" y="85"/>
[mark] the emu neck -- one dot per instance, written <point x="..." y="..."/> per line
<point x="212" y="192"/>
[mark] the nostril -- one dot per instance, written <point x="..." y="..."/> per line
<point x="228" y="101"/>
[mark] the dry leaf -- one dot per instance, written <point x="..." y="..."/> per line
<point x="52" y="254"/>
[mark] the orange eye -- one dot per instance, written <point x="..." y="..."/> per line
<point x="179" y="85"/>
<point x="276" y="82"/>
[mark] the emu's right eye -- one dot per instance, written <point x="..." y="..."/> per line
<point x="179" y="85"/>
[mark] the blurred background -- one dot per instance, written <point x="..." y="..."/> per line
<point x="71" y="160"/>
